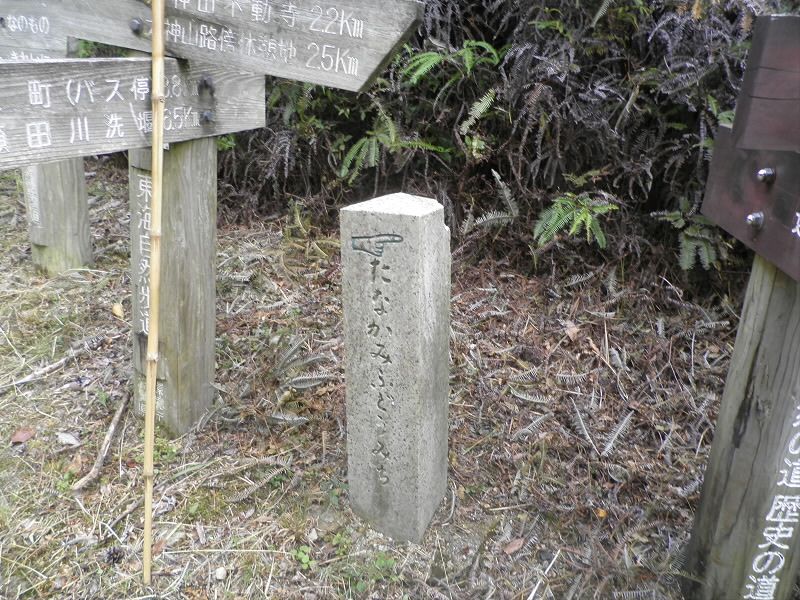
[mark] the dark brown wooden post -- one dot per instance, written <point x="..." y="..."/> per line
<point x="746" y="537"/>
<point x="184" y="388"/>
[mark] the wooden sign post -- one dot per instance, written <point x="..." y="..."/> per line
<point x="55" y="193"/>
<point x="78" y="107"/>
<point x="58" y="215"/>
<point x="746" y="537"/>
<point x="55" y="110"/>
<point x="337" y="43"/>
<point x="187" y="321"/>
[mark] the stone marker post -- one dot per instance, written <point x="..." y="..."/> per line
<point x="184" y="388"/>
<point x="396" y="297"/>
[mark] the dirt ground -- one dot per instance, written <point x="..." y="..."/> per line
<point x="582" y="405"/>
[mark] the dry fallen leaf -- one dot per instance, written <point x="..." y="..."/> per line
<point x="22" y="435"/>
<point x="514" y="545"/>
<point x="75" y="466"/>
<point x="572" y="330"/>
<point x="118" y="311"/>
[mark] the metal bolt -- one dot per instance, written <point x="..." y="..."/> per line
<point x="766" y="175"/>
<point x="208" y="116"/>
<point x="206" y="83"/>
<point x="756" y="220"/>
<point x="137" y="26"/>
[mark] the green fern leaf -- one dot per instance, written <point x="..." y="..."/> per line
<point x="477" y="110"/>
<point x="601" y="12"/>
<point x="687" y="252"/>
<point x="421" y="64"/>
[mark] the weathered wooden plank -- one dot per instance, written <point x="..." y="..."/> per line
<point x="184" y="389"/>
<point x="77" y="107"/>
<point x="768" y="111"/>
<point x="28" y="31"/>
<point x="338" y="43"/>
<point x="55" y="192"/>
<point x="746" y="537"/>
<point x="735" y="191"/>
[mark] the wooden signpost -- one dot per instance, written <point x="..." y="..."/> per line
<point x="78" y="107"/>
<point x="746" y="537"/>
<point x="60" y="237"/>
<point x="28" y="32"/>
<point x="337" y="43"/>
<point x="55" y="109"/>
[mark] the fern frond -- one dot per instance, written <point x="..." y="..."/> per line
<point x="529" y="375"/>
<point x="551" y="220"/>
<point x="571" y="378"/>
<point x="644" y="593"/>
<point x="421" y="64"/>
<point x="618" y="432"/>
<point x="468" y="224"/>
<point x="536" y="424"/>
<point x="494" y="218"/>
<point x="304" y="382"/>
<point x="610" y="282"/>
<point x="601" y="12"/>
<point x="579" y="278"/>
<point x="253" y="488"/>
<point x="580" y="425"/>
<point x="286" y="355"/>
<point x="303" y="361"/>
<point x="506" y="195"/>
<point x="537" y="399"/>
<point x="477" y="110"/>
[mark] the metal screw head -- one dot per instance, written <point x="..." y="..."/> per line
<point x="206" y="83"/>
<point x="756" y="220"/>
<point x="766" y="175"/>
<point x="137" y="26"/>
<point x="208" y="116"/>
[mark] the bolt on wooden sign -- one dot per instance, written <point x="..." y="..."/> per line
<point x="337" y="43"/>
<point x="753" y="189"/>
<point x="77" y="107"/>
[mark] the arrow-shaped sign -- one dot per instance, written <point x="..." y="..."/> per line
<point x="78" y="107"/>
<point x="338" y="43"/>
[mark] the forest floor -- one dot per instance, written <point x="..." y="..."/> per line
<point x="582" y="408"/>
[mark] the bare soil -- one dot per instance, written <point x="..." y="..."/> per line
<point x="583" y="399"/>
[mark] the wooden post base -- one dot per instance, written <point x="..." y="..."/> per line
<point x="58" y="216"/>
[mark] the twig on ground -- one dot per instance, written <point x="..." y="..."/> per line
<point x="73" y="352"/>
<point x="94" y="473"/>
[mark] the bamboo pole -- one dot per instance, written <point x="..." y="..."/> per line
<point x="158" y="99"/>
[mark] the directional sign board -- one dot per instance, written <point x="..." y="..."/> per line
<point x="78" y="107"/>
<point x="28" y="31"/>
<point x="338" y="43"/>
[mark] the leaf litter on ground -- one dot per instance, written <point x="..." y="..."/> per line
<point x="532" y="509"/>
